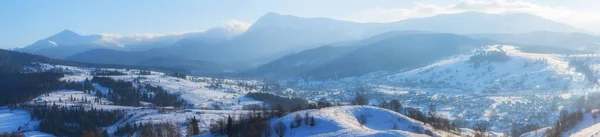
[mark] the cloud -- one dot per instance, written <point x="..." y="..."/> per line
<point x="229" y="28"/>
<point x="233" y="27"/>
<point x="146" y="36"/>
<point x="121" y="40"/>
<point x="236" y="27"/>
<point x="581" y="19"/>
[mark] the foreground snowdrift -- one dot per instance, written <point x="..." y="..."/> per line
<point x="342" y="121"/>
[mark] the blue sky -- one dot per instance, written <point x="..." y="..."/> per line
<point x="22" y="22"/>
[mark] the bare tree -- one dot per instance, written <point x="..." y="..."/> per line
<point x="266" y="129"/>
<point x="312" y="121"/>
<point x="481" y="129"/>
<point x="172" y="131"/>
<point x="362" y="119"/>
<point x="360" y="100"/>
<point x="306" y="119"/>
<point x="395" y="105"/>
<point x="280" y="129"/>
<point x="297" y="120"/>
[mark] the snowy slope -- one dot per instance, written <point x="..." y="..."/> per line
<point x="196" y="93"/>
<point x="11" y="121"/>
<point x="588" y="127"/>
<point x="194" y="90"/>
<point x="523" y="71"/>
<point x="61" y="98"/>
<point x="342" y="121"/>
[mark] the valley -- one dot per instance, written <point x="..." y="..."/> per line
<point x="450" y="74"/>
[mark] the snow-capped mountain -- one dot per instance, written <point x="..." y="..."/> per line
<point x="63" y="39"/>
<point x="68" y="43"/>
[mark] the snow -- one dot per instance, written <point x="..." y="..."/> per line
<point x="588" y="127"/>
<point x="518" y="90"/>
<point x="10" y="121"/>
<point x="61" y="98"/>
<point x="37" y="134"/>
<point x="179" y="118"/>
<point x="506" y="100"/>
<point x="342" y="121"/>
<point x="52" y="42"/>
<point x="524" y="71"/>
<point x="197" y="93"/>
<point x="392" y="91"/>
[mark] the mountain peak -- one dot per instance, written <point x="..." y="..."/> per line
<point x="67" y="31"/>
<point x="64" y="34"/>
<point x="271" y="14"/>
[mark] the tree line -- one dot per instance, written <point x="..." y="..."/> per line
<point x="125" y="93"/>
<point x="21" y="87"/>
<point x="73" y="121"/>
<point x="272" y="99"/>
<point x="149" y="130"/>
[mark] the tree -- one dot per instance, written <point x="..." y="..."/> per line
<point x="148" y="131"/>
<point x="229" y="126"/>
<point x="323" y="103"/>
<point x="306" y="119"/>
<point x="279" y="110"/>
<point x="172" y="131"/>
<point x="395" y="105"/>
<point x="280" y="129"/>
<point x="481" y="128"/>
<point x="362" y="119"/>
<point x="360" y="100"/>
<point x="312" y="121"/>
<point x="297" y="120"/>
<point x="105" y="133"/>
<point x="266" y="129"/>
<point x="195" y="127"/>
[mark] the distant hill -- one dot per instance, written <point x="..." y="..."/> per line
<point x="147" y="59"/>
<point x="342" y="121"/>
<point x="298" y="63"/>
<point x="396" y="53"/>
<point x="13" y="61"/>
<point x="479" y="22"/>
<point x="65" y="43"/>
<point x="274" y="34"/>
<point x="573" y="41"/>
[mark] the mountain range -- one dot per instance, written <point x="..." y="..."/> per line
<point x="274" y="36"/>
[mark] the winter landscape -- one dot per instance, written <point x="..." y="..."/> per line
<point x="465" y="68"/>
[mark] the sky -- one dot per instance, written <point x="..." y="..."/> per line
<point x="23" y="22"/>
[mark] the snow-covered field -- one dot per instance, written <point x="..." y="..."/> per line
<point x="76" y="98"/>
<point x="15" y="120"/>
<point x="342" y="121"/>
<point x="528" y="88"/>
<point x="193" y="90"/>
<point x="19" y="121"/>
